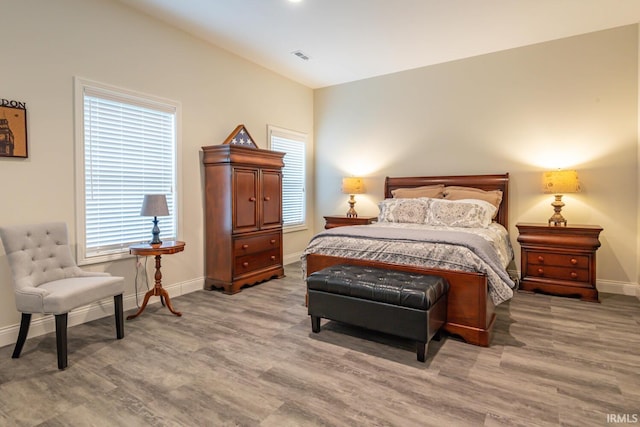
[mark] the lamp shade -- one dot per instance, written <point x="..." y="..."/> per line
<point x="154" y="205"/>
<point x="560" y="182"/>
<point x="352" y="185"/>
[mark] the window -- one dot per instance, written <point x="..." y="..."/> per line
<point x="126" y="146"/>
<point x="293" y="174"/>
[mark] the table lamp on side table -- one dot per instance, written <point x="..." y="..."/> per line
<point x="155" y="205"/>
<point x="352" y="186"/>
<point x="560" y="182"/>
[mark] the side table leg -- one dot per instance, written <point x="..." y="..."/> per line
<point x="143" y="306"/>
<point x="157" y="290"/>
<point x="165" y="294"/>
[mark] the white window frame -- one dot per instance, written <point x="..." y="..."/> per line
<point x="296" y="137"/>
<point x="81" y="87"/>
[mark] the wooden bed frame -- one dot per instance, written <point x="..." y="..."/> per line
<point x="470" y="311"/>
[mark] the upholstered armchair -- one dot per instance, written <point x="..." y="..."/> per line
<point x="47" y="280"/>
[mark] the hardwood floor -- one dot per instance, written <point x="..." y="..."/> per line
<point x="251" y="359"/>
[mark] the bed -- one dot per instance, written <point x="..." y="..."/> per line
<point x="472" y="295"/>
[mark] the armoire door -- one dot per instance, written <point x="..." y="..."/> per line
<point x="245" y="200"/>
<point x="271" y="199"/>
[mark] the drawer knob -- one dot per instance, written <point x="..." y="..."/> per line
<point x="252" y="199"/>
<point x="540" y="271"/>
<point x="245" y="246"/>
<point x="273" y="257"/>
<point x="245" y="264"/>
<point x="540" y="258"/>
<point x="573" y="275"/>
<point x="272" y="241"/>
<point x="573" y="261"/>
<point x="267" y="198"/>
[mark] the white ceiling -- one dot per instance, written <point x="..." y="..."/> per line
<point x="349" y="40"/>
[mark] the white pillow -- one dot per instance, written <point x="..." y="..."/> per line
<point x="460" y="213"/>
<point x="404" y="210"/>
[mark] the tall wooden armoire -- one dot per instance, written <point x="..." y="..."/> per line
<point x="243" y="219"/>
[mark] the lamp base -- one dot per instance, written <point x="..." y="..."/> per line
<point x="155" y="242"/>
<point x="351" y="213"/>
<point x="557" y="219"/>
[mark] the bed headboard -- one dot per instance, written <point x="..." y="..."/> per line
<point x="484" y="182"/>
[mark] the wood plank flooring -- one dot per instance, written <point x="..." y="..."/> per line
<point x="251" y="359"/>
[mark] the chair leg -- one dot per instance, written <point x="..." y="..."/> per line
<point x="118" y="309"/>
<point x="22" y="335"/>
<point x="61" y="339"/>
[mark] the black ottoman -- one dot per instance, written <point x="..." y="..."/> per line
<point x="409" y="305"/>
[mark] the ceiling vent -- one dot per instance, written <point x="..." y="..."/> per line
<point x="300" y="54"/>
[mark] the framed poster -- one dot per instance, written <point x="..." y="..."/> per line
<point x="13" y="129"/>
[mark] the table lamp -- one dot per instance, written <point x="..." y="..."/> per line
<point x="352" y="186"/>
<point x="155" y="205"/>
<point x="560" y="182"/>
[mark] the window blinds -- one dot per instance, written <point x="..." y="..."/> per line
<point x="129" y="151"/>
<point x="293" y="179"/>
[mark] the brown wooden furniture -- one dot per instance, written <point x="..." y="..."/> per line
<point x="243" y="216"/>
<point x="559" y="260"/>
<point x="342" y="220"/>
<point x="145" y="249"/>
<point x="470" y="311"/>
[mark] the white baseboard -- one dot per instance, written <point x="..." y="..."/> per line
<point x="620" y="288"/>
<point x="41" y="325"/>
<point x="291" y="258"/>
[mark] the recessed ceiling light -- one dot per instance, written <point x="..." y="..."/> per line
<point x="295" y="1"/>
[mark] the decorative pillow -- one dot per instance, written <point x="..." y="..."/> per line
<point x="460" y="193"/>
<point x="460" y="213"/>
<point x="403" y="210"/>
<point x="434" y="191"/>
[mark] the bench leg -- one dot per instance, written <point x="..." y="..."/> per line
<point x="421" y="350"/>
<point x="315" y="323"/>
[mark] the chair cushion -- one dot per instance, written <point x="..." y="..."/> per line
<point x="66" y="294"/>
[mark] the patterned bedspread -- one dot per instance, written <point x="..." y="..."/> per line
<point x="481" y="250"/>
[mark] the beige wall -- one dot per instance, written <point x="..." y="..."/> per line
<point x="47" y="43"/>
<point x="570" y="103"/>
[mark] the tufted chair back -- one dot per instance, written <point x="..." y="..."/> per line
<point x="38" y="254"/>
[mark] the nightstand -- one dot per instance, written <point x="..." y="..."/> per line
<point x="559" y="260"/>
<point x="341" y="221"/>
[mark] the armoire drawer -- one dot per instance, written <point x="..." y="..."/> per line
<point x="255" y="244"/>
<point x="252" y="262"/>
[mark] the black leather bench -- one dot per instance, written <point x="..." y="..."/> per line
<point x="401" y="303"/>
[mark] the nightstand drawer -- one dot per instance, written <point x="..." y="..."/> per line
<point x="558" y="273"/>
<point x="560" y="260"/>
